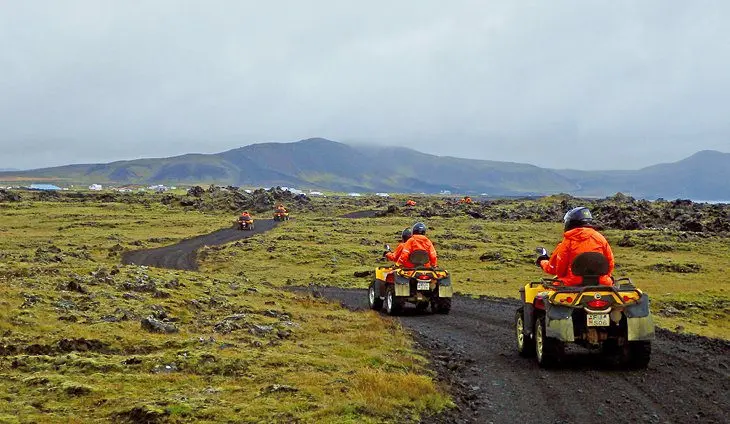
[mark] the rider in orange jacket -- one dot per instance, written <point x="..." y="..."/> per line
<point x="579" y="237"/>
<point x="393" y="256"/>
<point x="418" y="241"/>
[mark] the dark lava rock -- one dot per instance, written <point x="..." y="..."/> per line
<point x="362" y="274"/>
<point x="141" y="415"/>
<point x="9" y="196"/>
<point x="81" y="345"/>
<point x="156" y="326"/>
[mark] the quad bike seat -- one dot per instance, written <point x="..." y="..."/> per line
<point x="591" y="266"/>
<point x="418" y="258"/>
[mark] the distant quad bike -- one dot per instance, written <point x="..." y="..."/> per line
<point x="614" y="318"/>
<point x="281" y="216"/>
<point x="421" y="286"/>
<point x="245" y="223"/>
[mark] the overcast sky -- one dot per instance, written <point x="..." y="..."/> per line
<point x="579" y="84"/>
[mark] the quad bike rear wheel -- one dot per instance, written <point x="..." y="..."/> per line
<point x="392" y="305"/>
<point x="549" y="351"/>
<point x="639" y="353"/>
<point x="441" y="305"/>
<point x="525" y="344"/>
<point x="374" y="300"/>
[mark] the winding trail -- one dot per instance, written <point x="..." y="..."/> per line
<point x="473" y="353"/>
<point x="183" y="255"/>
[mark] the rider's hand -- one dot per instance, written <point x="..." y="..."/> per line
<point x="540" y="259"/>
<point x="385" y="254"/>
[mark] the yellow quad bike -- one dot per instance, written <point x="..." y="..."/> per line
<point x="421" y="286"/>
<point x="245" y="223"/>
<point x="614" y="318"/>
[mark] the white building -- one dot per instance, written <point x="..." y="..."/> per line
<point x="95" y="187"/>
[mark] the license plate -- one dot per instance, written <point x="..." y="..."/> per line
<point x="423" y="285"/>
<point x="597" y="320"/>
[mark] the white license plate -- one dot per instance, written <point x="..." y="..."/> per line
<point x="423" y="285"/>
<point x="597" y="320"/>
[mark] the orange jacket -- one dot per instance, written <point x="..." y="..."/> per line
<point x="417" y="242"/>
<point x="575" y="242"/>
<point x="393" y="256"/>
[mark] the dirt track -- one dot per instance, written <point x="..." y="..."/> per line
<point x="473" y="353"/>
<point x="473" y="350"/>
<point x="183" y="254"/>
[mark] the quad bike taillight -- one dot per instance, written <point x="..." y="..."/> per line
<point x="598" y="304"/>
<point x="424" y="277"/>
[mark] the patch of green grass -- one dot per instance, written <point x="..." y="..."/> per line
<point x="493" y="258"/>
<point x="72" y="348"/>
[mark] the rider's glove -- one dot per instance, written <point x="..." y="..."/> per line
<point x="540" y="259"/>
<point x="385" y="254"/>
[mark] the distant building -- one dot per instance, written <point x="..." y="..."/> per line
<point x="95" y="187"/>
<point x="45" y="187"/>
<point x="354" y="194"/>
<point x="382" y="194"/>
<point x="316" y="193"/>
<point x="159" y="188"/>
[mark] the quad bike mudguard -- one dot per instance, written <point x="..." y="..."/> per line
<point x="639" y="321"/>
<point x="402" y="286"/>
<point x="559" y="322"/>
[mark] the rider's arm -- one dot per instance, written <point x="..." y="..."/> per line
<point x="432" y="257"/>
<point x="393" y="256"/>
<point x="608" y="253"/>
<point x="405" y="252"/>
<point x="557" y="264"/>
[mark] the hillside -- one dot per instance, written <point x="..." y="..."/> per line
<point x="702" y="176"/>
<point x="323" y="164"/>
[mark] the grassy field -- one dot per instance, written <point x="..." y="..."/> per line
<point x="683" y="273"/>
<point x="241" y="349"/>
<point x="72" y="348"/>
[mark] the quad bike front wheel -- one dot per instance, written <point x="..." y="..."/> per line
<point x="392" y="306"/>
<point x="374" y="300"/>
<point x="525" y="345"/>
<point x="549" y="351"/>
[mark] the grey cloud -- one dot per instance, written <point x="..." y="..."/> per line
<point x="586" y="84"/>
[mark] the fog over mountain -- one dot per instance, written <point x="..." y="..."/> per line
<point x="324" y="164"/>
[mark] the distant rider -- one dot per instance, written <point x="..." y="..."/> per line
<point x="418" y="241"/>
<point x="579" y="236"/>
<point x="245" y="216"/>
<point x="393" y="256"/>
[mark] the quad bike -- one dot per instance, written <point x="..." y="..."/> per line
<point x="281" y="216"/>
<point x="421" y="286"/>
<point x="614" y="318"/>
<point x="245" y="223"/>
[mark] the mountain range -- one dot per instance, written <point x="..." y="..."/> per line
<point x="323" y="164"/>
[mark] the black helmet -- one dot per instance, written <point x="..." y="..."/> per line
<point x="577" y="217"/>
<point x="406" y="234"/>
<point x="419" y="228"/>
